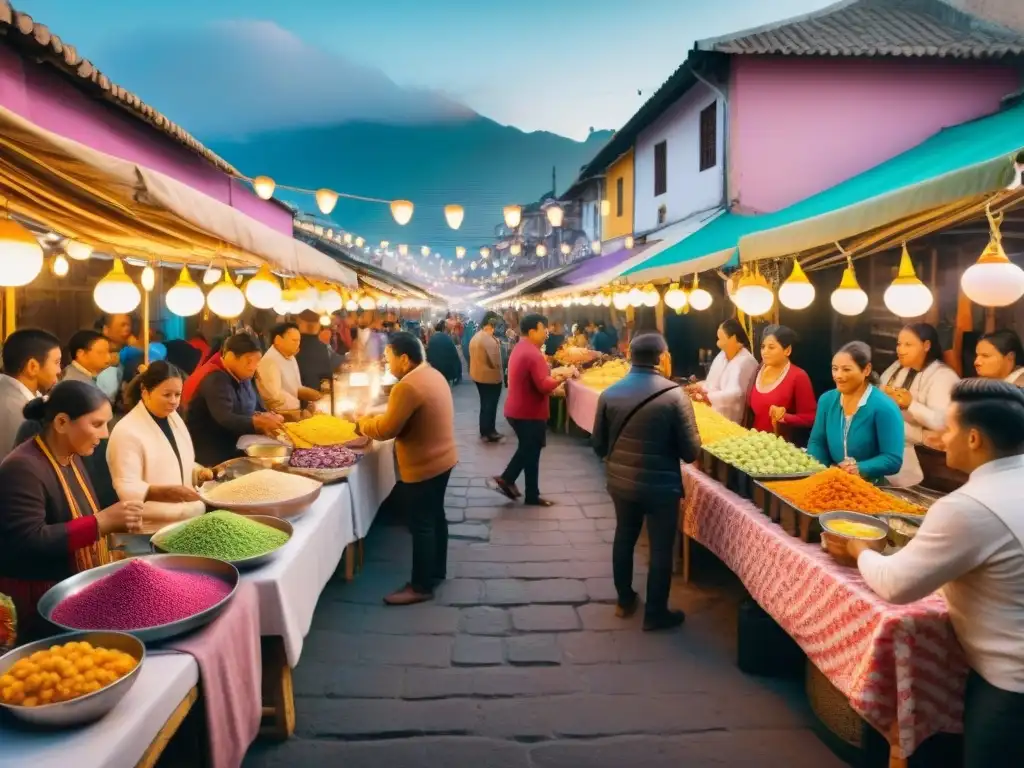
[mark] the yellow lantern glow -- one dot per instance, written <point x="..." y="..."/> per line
<point x="753" y="294"/>
<point x="116" y="293"/>
<point x="352" y="305"/>
<point x="629" y="242"/>
<point x="360" y="242"/>
<point x="264" y="187"/>
<point x="60" y="265"/>
<point x="226" y="299"/>
<point x="796" y="292"/>
<point x="700" y="299"/>
<point x="454" y="215"/>
<point x="595" y="247"/>
<point x="77" y="251"/>
<point x="542" y="251"/>
<point x="212" y="275"/>
<point x="21" y="256"/>
<point x="556" y="214"/>
<point x="485" y="252"/>
<point x="263" y="291"/>
<point x="513" y="216"/>
<point x="675" y="298"/>
<point x="460" y="252"/>
<point x="384" y="245"/>
<point x="515" y="249"/>
<point x="185" y="298"/>
<point x="401" y="210"/>
<point x="367" y="302"/>
<point x="849" y="299"/>
<point x="907" y="296"/>
<point x="635" y="297"/>
<point x="994" y="280"/>
<point x="566" y="249"/>
<point x="326" y="199"/>
<point x="425" y="251"/>
<point x="651" y="296"/>
<point x="148" y="278"/>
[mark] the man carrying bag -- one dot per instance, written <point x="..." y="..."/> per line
<point x="644" y="428"/>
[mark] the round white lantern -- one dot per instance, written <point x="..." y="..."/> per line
<point x="185" y="298"/>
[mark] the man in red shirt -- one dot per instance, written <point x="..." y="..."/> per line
<point x="530" y="385"/>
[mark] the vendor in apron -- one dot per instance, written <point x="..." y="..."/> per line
<point x="920" y="384"/>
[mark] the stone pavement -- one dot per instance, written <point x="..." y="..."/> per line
<point x="520" y="661"/>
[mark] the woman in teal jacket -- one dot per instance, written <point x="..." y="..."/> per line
<point x="857" y="427"/>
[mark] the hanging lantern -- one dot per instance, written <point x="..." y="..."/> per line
<point x="628" y="242"/>
<point x="325" y="320"/>
<point x="994" y="280"/>
<point x="566" y="249"/>
<point x="515" y="249"/>
<point x="675" y="298"/>
<point x="636" y="297"/>
<point x="513" y="216"/>
<point x="460" y="252"/>
<point x="21" y="256"/>
<point x="226" y="300"/>
<point x="185" y="298"/>
<point x="263" y="291"/>
<point x="542" y="251"/>
<point x="360" y="242"/>
<point x="454" y="215"/>
<point x="651" y="296"/>
<point x="115" y="294"/>
<point x="848" y="299"/>
<point x="264" y="187"/>
<point x="556" y="214"/>
<point x="367" y="302"/>
<point x="148" y="278"/>
<point x="753" y="295"/>
<point x="352" y="305"/>
<point x="699" y="298"/>
<point x="424" y="251"/>
<point x="585" y="301"/>
<point x="907" y="296"/>
<point x="403" y="250"/>
<point x="595" y="247"/>
<point x="796" y="292"/>
<point x="606" y="207"/>
<point x="347" y="238"/>
<point x="566" y="302"/>
<point x="620" y="300"/>
<point x="472" y="265"/>
<point x="326" y="199"/>
<point x="401" y="210"/>
<point x="485" y="252"/>
<point x="212" y="275"/>
<point x="77" y="251"/>
<point x="60" y="265"/>
<point x="384" y="245"/>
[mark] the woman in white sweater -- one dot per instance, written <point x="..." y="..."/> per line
<point x="921" y="385"/>
<point x="150" y="453"/>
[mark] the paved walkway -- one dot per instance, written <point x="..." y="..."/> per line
<point x="520" y="661"/>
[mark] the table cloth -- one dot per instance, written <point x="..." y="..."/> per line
<point x="582" y="404"/>
<point x="371" y="482"/>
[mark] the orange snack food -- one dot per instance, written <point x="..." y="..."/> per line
<point x="836" y="489"/>
<point x="62" y="673"/>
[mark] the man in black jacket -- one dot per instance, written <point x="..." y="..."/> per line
<point x="644" y="428"/>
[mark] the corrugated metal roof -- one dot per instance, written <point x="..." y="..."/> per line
<point x="915" y="28"/>
<point x="26" y="33"/>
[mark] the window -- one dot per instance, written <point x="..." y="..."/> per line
<point x="660" y="168"/>
<point x="619" y="195"/>
<point x="709" y="136"/>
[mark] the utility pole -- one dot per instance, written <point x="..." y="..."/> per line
<point x="554" y="188"/>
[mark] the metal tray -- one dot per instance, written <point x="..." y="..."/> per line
<point x="248" y="562"/>
<point x="794" y="521"/>
<point x="205" y="565"/>
<point x="738" y="480"/>
<point x="289" y="509"/>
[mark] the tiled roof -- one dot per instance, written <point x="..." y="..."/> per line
<point x="877" y="28"/>
<point x="22" y="31"/>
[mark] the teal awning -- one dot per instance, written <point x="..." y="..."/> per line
<point x="964" y="161"/>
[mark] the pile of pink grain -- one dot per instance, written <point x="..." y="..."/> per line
<point x="138" y="596"/>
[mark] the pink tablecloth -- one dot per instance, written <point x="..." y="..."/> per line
<point x="581" y="404"/>
<point x="900" y="666"/>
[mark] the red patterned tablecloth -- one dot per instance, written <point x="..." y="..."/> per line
<point x="900" y="665"/>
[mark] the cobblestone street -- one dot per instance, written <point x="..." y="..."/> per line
<point x="520" y="661"/>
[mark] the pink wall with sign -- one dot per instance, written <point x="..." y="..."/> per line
<point x="798" y="125"/>
<point x="48" y="99"/>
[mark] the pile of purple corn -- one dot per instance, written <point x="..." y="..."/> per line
<point x="323" y="457"/>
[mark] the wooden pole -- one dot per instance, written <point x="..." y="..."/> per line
<point x="10" y="319"/>
<point x="145" y="327"/>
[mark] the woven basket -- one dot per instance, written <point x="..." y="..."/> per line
<point x="832" y="708"/>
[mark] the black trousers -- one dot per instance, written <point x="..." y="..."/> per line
<point x="532" y="435"/>
<point x="490" y="394"/>
<point x="424" y="504"/>
<point x="662" y="519"/>
<point x="992" y="723"/>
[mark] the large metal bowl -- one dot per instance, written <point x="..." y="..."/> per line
<point x="188" y="563"/>
<point x="835" y="543"/>
<point x="269" y="455"/>
<point x="249" y="562"/>
<point x="90" y="707"/>
<point x="285" y="509"/>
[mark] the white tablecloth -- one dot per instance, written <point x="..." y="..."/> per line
<point x="290" y="584"/>
<point x="121" y="738"/>
<point x="371" y="482"/>
<point x="582" y="405"/>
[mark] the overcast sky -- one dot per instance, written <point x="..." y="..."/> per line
<point x="237" y="66"/>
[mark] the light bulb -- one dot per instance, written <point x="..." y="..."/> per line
<point x="454" y="215"/>
<point x="425" y="251"/>
<point x="77" y="251"/>
<point x="848" y="299"/>
<point x="555" y="214"/>
<point x="485" y="252"/>
<point x="367" y="302"/>
<point x="211" y="276"/>
<point x="585" y="301"/>
<point x="148" y="279"/>
<point x="21" y="256"/>
<point x="907" y="296"/>
<point x="60" y="265"/>
<point x="796" y="292"/>
<point x="185" y="298"/>
<point x="326" y="199"/>
<point x="401" y="210"/>
<point x="226" y="300"/>
<point x="620" y="300"/>
<point x="351" y="305"/>
<point x="116" y="294"/>
<point x="629" y="242"/>
<point x="331" y="301"/>
<point x="753" y="295"/>
<point x="515" y="249"/>
<point x="263" y="291"/>
<point x="699" y="298"/>
<point x="513" y="215"/>
<point x="675" y="297"/>
<point x="994" y="280"/>
<point x="542" y="251"/>
<point x="566" y="249"/>
<point x="264" y="187"/>
<point x="651" y="297"/>
<point x="403" y="250"/>
<point x="460" y="252"/>
<point x="636" y="297"/>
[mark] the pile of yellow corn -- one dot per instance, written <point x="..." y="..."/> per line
<point x="713" y="426"/>
<point x="321" y="429"/>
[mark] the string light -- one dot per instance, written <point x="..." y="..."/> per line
<point x="77" y="250"/>
<point x="454" y="215"/>
<point x="402" y="211"/>
<point x="326" y="199"/>
<point x="264" y="187"/>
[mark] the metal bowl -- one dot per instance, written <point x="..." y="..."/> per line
<point x="835" y="543"/>
<point x="269" y="455"/>
<point x="90" y="707"/>
<point x="286" y="509"/>
<point x="248" y="562"/>
<point x="188" y="563"/>
<point x="902" y="528"/>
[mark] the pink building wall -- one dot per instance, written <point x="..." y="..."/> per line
<point x="799" y="125"/>
<point x="50" y="101"/>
